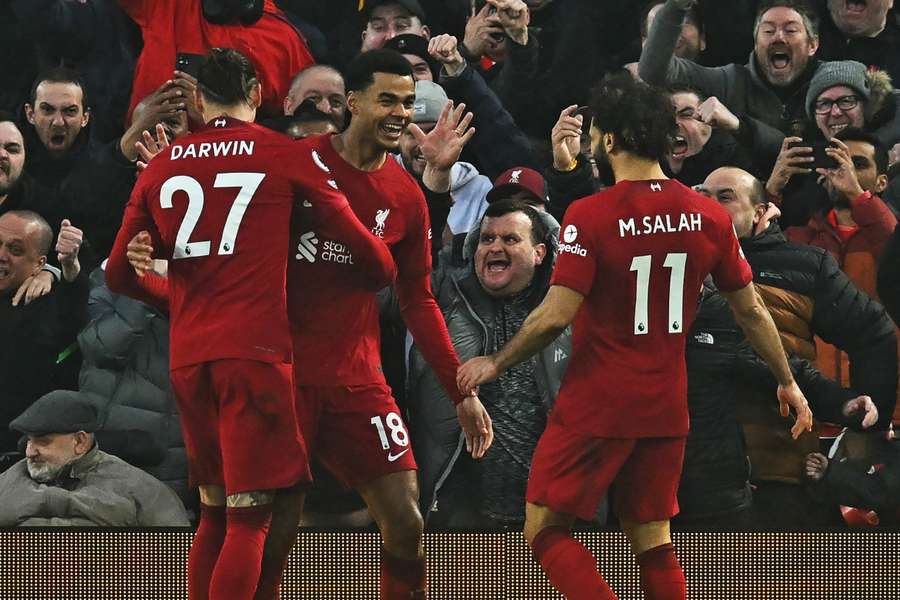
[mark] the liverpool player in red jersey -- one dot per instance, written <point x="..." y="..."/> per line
<point x="348" y="417"/>
<point x="218" y="204"/>
<point x="631" y="262"/>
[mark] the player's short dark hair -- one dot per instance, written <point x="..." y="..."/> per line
<point x="504" y="207"/>
<point x="639" y="116"/>
<point x="360" y="73"/>
<point x="693" y="16"/>
<point x="807" y="14"/>
<point x="226" y="77"/>
<point x="45" y="234"/>
<point x="854" y="134"/>
<point x="59" y="75"/>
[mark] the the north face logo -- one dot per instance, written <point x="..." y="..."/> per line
<point x="308" y="247"/>
<point x="559" y="354"/>
<point x="514" y="176"/>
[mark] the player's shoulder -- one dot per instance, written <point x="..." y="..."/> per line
<point x="408" y="190"/>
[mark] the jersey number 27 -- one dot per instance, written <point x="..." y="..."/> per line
<point x="248" y="184"/>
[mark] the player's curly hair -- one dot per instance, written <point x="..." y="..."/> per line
<point x="640" y="117"/>
<point x="226" y="77"/>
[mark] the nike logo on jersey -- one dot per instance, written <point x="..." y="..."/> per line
<point x="392" y="457"/>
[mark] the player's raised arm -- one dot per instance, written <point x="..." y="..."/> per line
<point x="542" y="326"/>
<point x="753" y="317"/>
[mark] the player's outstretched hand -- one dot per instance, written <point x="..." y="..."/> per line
<point x="150" y="147"/>
<point x="140" y="253"/>
<point x="476" y="425"/>
<point x="474" y="372"/>
<point x="790" y="397"/>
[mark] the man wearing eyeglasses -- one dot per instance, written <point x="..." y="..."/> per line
<point x="842" y="95"/>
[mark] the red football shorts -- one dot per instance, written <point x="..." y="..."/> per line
<point x="355" y="431"/>
<point x="571" y="471"/>
<point x="239" y="426"/>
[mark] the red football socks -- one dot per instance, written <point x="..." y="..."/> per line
<point x="402" y="579"/>
<point x="205" y="550"/>
<point x="571" y="567"/>
<point x="237" y="570"/>
<point x="661" y="575"/>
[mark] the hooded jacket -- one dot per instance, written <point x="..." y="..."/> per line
<point x="438" y="442"/>
<point x="468" y="189"/>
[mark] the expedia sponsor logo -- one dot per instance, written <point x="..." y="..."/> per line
<point x="573" y="249"/>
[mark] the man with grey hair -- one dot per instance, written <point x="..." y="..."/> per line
<point x="66" y="480"/>
<point x="324" y="87"/>
<point x="767" y="94"/>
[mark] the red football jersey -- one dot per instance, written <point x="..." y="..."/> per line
<point x="639" y="252"/>
<point x="218" y="205"/>
<point x="331" y="306"/>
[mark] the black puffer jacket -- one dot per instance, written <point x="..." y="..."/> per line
<point x="126" y="362"/>
<point x="716" y="472"/>
<point x="808" y="295"/>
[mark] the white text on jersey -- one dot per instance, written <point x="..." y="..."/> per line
<point x="213" y="149"/>
<point x="661" y="224"/>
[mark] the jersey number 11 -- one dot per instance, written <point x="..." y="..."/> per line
<point x="641" y="264"/>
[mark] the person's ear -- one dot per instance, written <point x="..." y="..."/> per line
<point x="29" y="113"/>
<point x="881" y="183"/>
<point x="352" y="103"/>
<point x="540" y="252"/>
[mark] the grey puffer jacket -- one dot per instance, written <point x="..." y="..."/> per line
<point x="437" y="439"/>
<point x="126" y="363"/>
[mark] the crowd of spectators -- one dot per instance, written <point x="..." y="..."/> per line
<point x="787" y="115"/>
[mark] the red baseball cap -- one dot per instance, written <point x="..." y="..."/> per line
<point x="519" y="179"/>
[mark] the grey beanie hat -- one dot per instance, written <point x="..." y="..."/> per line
<point x="430" y="101"/>
<point x="849" y="73"/>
